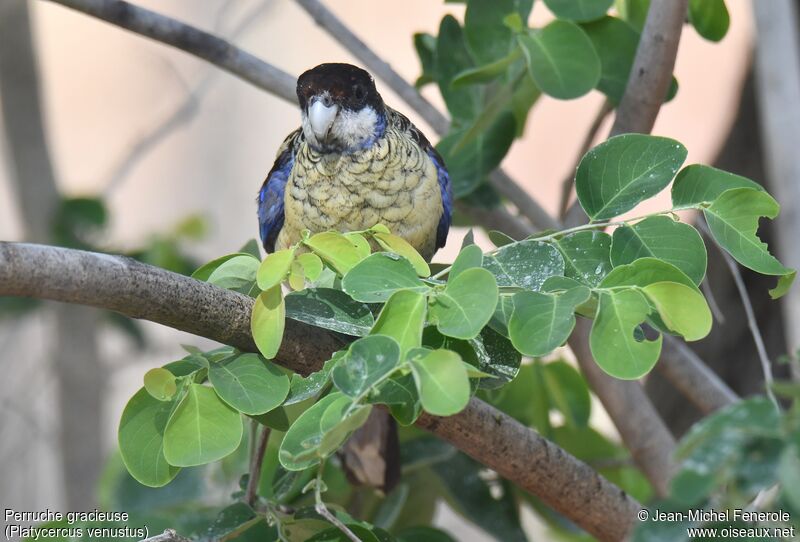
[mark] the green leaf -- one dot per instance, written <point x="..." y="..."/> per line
<point x="733" y="222"/>
<point x="252" y="248"/>
<point x="274" y="268"/>
<point x="683" y="309"/>
<point x="625" y="170"/>
<point x="561" y="59"/>
<point x="268" y="320"/>
<point x="423" y="534"/>
<point x="526" y="264"/>
<point x="400" y="393"/>
<point x="452" y="58"/>
<point x="398" y="245"/>
<point x="360" y="243"/>
<point x="488" y="37"/>
<point x="205" y="270"/>
<point x="377" y="277"/>
<point x="141" y="439"/>
<point x="329" y="308"/>
<point x="579" y="10"/>
<point x="497" y="357"/>
<point x="543" y="322"/>
<point x="710" y="18"/>
<point x="634" y="12"/>
<point x="586" y="256"/>
<point x="646" y="271"/>
<point x="663" y="238"/>
<point x="466" y="304"/>
<point x="615" y="42"/>
<point x="368" y="361"/>
<point x="160" y="384"/>
<point x="249" y="384"/>
<point x="402" y="318"/>
<point x="337" y="250"/>
<point x="237" y="273"/>
<point x="471" y="161"/>
<point x="502" y="315"/>
<point x="202" y="429"/>
<point x="425" y="45"/>
<point x="338" y="423"/>
<point x="312" y="265"/>
<point x="486" y="72"/>
<point x="568" y="392"/>
<point x="469" y="257"/>
<point x="299" y="447"/>
<point x="612" y="341"/>
<point x="276" y="419"/>
<point x="442" y="381"/>
<point x="697" y="184"/>
<point x="305" y="387"/>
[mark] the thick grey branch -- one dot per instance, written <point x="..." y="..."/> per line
<point x="142" y="291"/>
<point x="194" y="41"/>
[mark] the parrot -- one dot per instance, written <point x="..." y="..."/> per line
<point x="355" y="162"/>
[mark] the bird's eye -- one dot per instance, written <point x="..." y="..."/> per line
<point x="358" y="92"/>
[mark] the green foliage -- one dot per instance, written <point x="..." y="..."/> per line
<point x="710" y="18"/>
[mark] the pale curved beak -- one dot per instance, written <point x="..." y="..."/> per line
<point x="321" y="118"/>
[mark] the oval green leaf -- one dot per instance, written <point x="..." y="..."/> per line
<point x="377" y="277"/>
<point x="586" y="256"/>
<point x="469" y="257"/>
<point x="141" y="439"/>
<point x="541" y="322"/>
<point x="274" y="268"/>
<point x="612" y="341"/>
<point x="625" y="170"/>
<point x="442" y="381"/>
<point x="663" y="238"/>
<point x="202" y="429"/>
<point x="248" y="383"/>
<point x="311" y="264"/>
<point x="160" y="384"/>
<point x="268" y="321"/>
<point x="526" y="264"/>
<point x="710" y="18"/>
<point x="561" y="60"/>
<point x="466" y="304"/>
<point x="340" y="252"/>
<point x="683" y="309"/>
<point x="402" y="318"/>
<point x="697" y="184"/>
<point x="615" y="42"/>
<point x="329" y="308"/>
<point x="299" y="447"/>
<point x="367" y="362"/>
<point x="237" y="273"/>
<point x="398" y="245"/>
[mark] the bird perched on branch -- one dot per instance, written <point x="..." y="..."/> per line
<point x="352" y="164"/>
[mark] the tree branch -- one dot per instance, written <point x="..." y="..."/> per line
<point x="650" y="77"/>
<point x="641" y="428"/>
<point x="142" y="291"/>
<point x="205" y="45"/>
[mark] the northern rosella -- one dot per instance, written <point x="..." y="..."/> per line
<point x="352" y="164"/>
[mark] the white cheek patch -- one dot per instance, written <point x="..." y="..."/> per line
<point x="354" y="128"/>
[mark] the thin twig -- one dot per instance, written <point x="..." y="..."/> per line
<point x="752" y="323"/>
<point x="323" y="511"/>
<point x="719" y="316"/>
<point x="168" y="535"/>
<point x="141" y="291"/>
<point x="591" y="134"/>
<point x="256" y="461"/>
<point x="182" y="114"/>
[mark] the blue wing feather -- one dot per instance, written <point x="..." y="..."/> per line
<point x="270" y="197"/>
<point x="447" y="197"/>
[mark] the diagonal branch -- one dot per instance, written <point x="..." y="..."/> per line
<point x="194" y="41"/>
<point x="142" y="291"/>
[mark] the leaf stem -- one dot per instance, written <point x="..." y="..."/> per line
<point x="323" y="511"/>
<point x="256" y="460"/>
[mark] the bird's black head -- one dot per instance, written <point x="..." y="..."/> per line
<point x="341" y="108"/>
